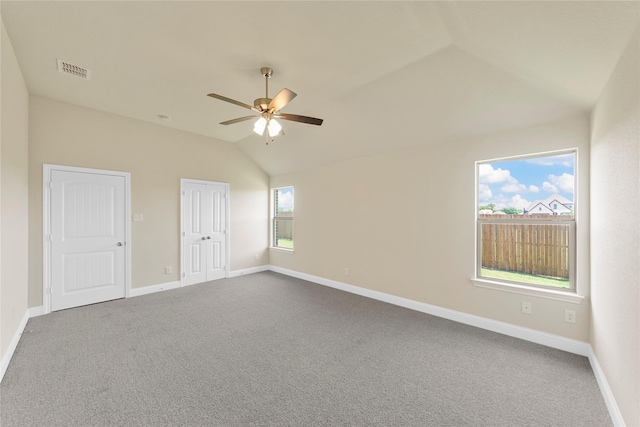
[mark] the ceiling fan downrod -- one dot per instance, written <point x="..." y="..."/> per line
<point x="262" y="103"/>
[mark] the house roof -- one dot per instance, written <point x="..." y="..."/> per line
<point x="538" y="204"/>
<point x="548" y="201"/>
<point x="383" y="75"/>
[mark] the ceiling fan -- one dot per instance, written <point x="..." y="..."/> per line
<point x="268" y="109"/>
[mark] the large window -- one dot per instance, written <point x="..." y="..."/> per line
<point x="282" y="227"/>
<point x="526" y="221"/>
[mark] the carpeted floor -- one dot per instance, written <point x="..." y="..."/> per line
<point x="267" y="349"/>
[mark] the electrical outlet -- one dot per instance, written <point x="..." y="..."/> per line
<point x="257" y="257"/>
<point x="168" y="270"/>
<point x="346" y="271"/>
<point x="526" y="307"/>
<point x="570" y="316"/>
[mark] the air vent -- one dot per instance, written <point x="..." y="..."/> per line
<point x="74" y="70"/>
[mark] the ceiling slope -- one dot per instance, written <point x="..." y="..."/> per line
<point x="383" y="75"/>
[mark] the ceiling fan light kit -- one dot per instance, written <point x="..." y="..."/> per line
<point x="269" y="110"/>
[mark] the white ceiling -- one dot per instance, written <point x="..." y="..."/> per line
<point x="383" y="75"/>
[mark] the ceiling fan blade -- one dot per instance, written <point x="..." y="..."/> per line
<point x="233" y="101"/>
<point x="280" y="100"/>
<point x="238" y="120"/>
<point x="301" y="119"/>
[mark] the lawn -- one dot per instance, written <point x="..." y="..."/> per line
<point x="285" y="243"/>
<point x="525" y="278"/>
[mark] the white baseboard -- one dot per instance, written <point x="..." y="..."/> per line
<point x="36" y="311"/>
<point x="251" y="270"/>
<point x="6" y="358"/>
<point x="609" y="400"/>
<point x="550" y="340"/>
<point x="136" y="292"/>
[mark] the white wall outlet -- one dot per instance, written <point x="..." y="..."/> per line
<point x="138" y="217"/>
<point x="346" y="271"/>
<point x="168" y="270"/>
<point x="570" y="316"/>
<point x="526" y="307"/>
<point x="257" y="257"/>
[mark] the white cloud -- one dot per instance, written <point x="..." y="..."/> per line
<point x="516" y="201"/>
<point x="533" y="189"/>
<point x="484" y="193"/>
<point x="564" y="182"/>
<point x="514" y="187"/>
<point x="489" y="175"/>
<point x="549" y="187"/>
<point x="285" y="200"/>
<point x="519" y="202"/>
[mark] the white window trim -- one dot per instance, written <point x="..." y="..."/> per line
<point x="272" y="221"/>
<point x="564" y="296"/>
<point x="571" y="295"/>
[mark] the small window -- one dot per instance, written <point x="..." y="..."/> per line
<point x="525" y="221"/>
<point x="282" y="227"/>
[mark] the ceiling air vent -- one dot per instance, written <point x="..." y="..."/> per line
<point x="74" y="70"/>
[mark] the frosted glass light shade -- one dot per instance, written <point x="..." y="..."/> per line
<point x="274" y="128"/>
<point x="259" y="126"/>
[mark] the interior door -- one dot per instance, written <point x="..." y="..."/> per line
<point x="204" y="232"/>
<point x="87" y="238"/>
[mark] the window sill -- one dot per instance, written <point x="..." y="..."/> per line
<point x="526" y="290"/>
<point x="285" y="250"/>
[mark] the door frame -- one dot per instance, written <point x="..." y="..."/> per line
<point x="184" y="181"/>
<point x="47" y="169"/>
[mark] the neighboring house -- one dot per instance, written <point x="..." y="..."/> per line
<point x="553" y="205"/>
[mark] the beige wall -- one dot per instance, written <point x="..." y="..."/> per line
<point x="14" y="204"/>
<point x="615" y="233"/>
<point x="157" y="157"/>
<point x="344" y="215"/>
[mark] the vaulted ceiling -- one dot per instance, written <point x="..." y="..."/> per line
<point x="383" y="75"/>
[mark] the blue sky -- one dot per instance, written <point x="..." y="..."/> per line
<point x="517" y="183"/>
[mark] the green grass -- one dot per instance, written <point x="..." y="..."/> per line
<point x="285" y="243"/>
<point x="525" y="278"/>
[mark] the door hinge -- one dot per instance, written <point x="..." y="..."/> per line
<point x="184" y="192"/>
<point x="50" y="237"/>
<point x="184" y="274"/>
<point x="50" y="185"/>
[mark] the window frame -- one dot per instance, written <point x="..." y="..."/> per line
<point x="274" y="218"/>
<point x="564" y="294"/>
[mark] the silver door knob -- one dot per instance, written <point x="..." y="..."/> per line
<point x="204" y="238"/>
<point x="119" y="243"/>
<point x="208" y="237"/>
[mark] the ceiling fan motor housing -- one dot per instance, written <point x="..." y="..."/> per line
<point x="262" y="103"/>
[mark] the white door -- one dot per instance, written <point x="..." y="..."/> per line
<point x="87" y="238"/>
<point x="204" y="231"/>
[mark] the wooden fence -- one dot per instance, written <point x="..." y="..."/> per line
<point x="284" y="225"/>
<point x="538" y="249"/>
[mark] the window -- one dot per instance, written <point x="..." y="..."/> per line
<point x="282" y="227"/>
<point x="525" y="221"/>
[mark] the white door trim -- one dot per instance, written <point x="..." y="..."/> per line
<point x="46" y="226"/>
<point x="184" y="181"/>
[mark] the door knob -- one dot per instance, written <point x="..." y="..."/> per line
<point x="119" y="243"/>
<point x="204" y="238"/>
<point x="208" y="237"/>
